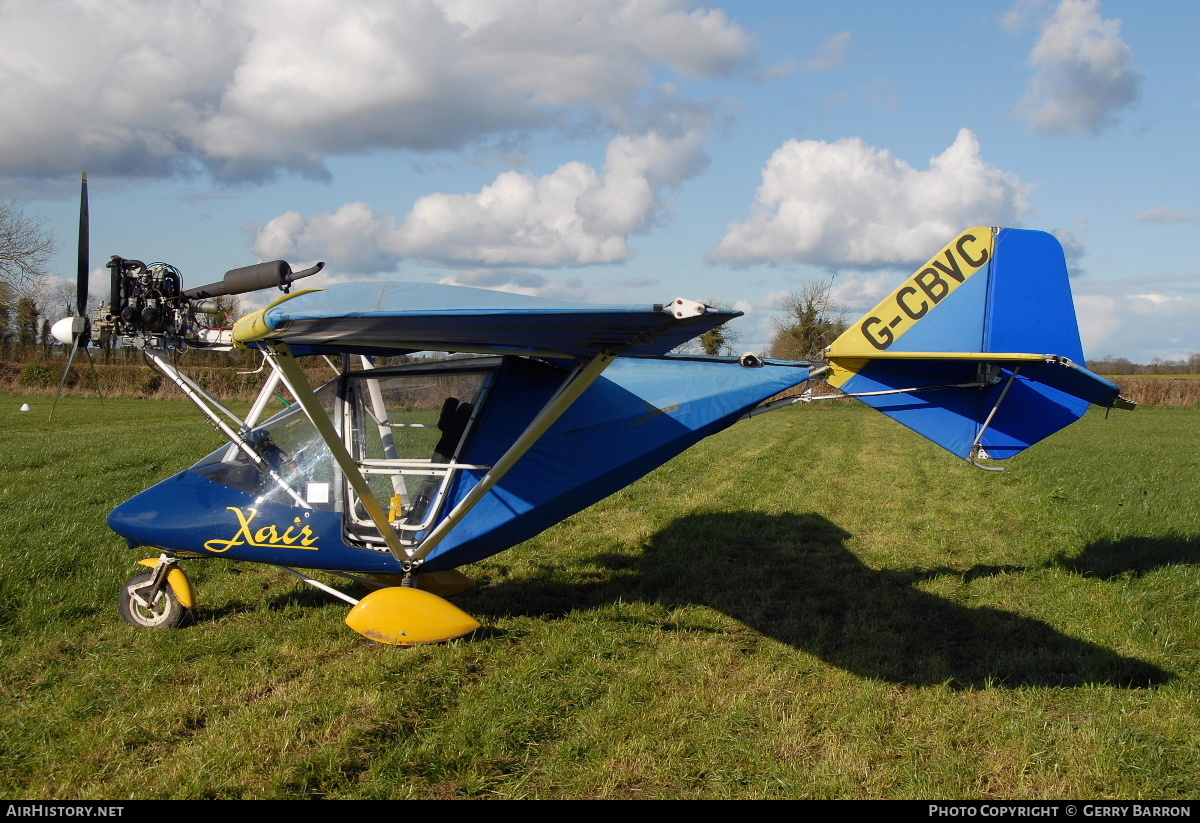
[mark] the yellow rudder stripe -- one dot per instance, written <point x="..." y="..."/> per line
<point x="912" y="301"/>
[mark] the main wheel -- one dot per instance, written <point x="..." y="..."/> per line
<point x="163" y="612"/>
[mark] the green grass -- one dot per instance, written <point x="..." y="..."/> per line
<point x="817" y="603"/>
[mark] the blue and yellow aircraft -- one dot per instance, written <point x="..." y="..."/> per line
<point x="397" y="476"/>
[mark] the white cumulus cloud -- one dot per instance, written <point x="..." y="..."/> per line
<point x="573" y="216"/>
<point x="1139" y="318"/>
<point x="246" y="88"/>
<point x="1167" y="215"/>
<point x="1085" y="72"/>
<point x="859" y="292"/>
<point x="831" y="54"/>
<point x="352" y="236"/>
<point x="848" y="204"/>
<point x="1074" y="244"/>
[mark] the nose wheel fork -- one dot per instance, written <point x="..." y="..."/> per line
<point x="158" y="599"/>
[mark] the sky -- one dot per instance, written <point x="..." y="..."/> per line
<point x="620" y="151"/>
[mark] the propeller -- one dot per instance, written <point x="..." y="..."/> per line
<point x="81" y="269"/>
<point x="148" y="303"/>
<point x="76" y="330"/>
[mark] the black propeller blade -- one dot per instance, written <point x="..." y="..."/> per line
<point x="79" y="326"/>
<point x="81" y="277"/>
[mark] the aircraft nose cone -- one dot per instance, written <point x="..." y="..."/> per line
<point x="147" y="517"/>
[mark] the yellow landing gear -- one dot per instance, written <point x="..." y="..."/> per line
<point x="443" y="584"/>
<point x="404" y="616"/>
<point x="158" y="599"/>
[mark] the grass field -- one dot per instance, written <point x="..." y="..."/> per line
<point x="817" y="603"/>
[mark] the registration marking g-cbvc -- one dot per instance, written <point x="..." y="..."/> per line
<point x="918" y="295"/>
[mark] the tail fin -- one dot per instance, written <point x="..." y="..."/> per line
<point x="979" y="350"/>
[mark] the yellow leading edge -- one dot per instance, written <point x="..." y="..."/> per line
<point x="254" y="327"/>
<point x="409" y="617"/>
<point x="844" y="366"/>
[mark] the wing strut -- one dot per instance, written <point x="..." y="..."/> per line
<point x="201" y="400"/>
<point x="298" y="384"/>
<point x="571" y="389"/>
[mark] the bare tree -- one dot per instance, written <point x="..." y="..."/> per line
<point x="718" y="341"/>
<point x="811" y="321"/>
<point x="25" y="246"/>
<point x="228" y="310"/>
<point x="60" y="297"/>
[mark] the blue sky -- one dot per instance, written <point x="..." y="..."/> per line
<point x="621" y="151"/>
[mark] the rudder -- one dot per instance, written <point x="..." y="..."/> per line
<point x="979" y="350"/>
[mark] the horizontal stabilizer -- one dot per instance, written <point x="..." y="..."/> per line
<point x="979" y="350"/>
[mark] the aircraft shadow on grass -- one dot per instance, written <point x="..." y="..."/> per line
<point x="1132" y="556"/>
<point x="791" y="578"/>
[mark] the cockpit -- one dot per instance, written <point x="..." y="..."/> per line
<point x="406" y="427"/>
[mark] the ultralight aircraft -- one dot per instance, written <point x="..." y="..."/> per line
<point x="395" y="476"/>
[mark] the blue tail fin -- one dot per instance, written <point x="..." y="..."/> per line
<point x="979" y="350"/>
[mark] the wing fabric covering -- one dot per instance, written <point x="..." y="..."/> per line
<point x="391" y="318"/>
<point x="992" y="303"/>
<point x="636" y="417"/>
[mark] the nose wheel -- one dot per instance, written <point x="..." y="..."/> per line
<point x="158" y="599"/>
<point x="142" y="606"/>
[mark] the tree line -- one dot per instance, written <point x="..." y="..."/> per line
<point x="29" y="302"/>
<point x="1118" y="366"/>
<point x="26" y="316"/>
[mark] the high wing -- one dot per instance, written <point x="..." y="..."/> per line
<point x="389" y="318"/>
<point x="979" y="350"/>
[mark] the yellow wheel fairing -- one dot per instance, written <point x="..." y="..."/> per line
<point x="444" y="584"/>
<point x="401" y="616"/>
<point x="179" y="583"/>
<point x="138" y="607"/>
